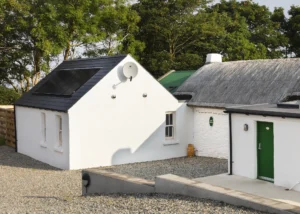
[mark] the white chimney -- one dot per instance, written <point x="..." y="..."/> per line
<point x="213" y="57"/>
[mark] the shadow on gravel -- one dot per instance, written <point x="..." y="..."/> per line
<point x="191" y="168"/>
<point x="8" y="157"/>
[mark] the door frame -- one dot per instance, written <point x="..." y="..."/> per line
<point x="257" y="152"/>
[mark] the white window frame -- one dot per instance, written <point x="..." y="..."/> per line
<point x="43" y="129"/>
<point x="59" y="133"/>
<point x="173" y="125"/>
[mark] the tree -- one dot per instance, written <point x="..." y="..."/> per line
<point x="117" y="22"/>
<point x="26" y="34"/>
<point x="264" y="30"/>
<point x="8" y="96"/>
<point x="170" y="30"/>
<point x="293" y="30"/>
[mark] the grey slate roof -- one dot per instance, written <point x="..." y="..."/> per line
<point x="243" y="83"/>
<point x="56" y="103"/>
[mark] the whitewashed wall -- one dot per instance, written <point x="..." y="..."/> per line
<point x="211" y="141"/>
<point x="286" y="148"/>
<point x="30" y="136"/>
<point x="130" y="128"/>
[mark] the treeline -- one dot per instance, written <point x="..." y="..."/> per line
<point x="161" y="34"/>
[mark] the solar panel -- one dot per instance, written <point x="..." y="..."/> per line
<point x="65" y="82"/>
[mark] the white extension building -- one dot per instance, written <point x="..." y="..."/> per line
<point x="265" y="143"/>
<point x="94" y="112"/>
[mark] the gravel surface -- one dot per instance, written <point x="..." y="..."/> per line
<point x="195" y="167"/>
<point x="29" y="186"/>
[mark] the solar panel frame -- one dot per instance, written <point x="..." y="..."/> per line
<point x="65" y="82"/>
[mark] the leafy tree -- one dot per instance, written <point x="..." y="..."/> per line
<point x="169" y="28"/>
<point x="26" y="30"/>
<point x="293" y="30"/>
<point x="117" y="23"/>
<point x="264" y="30"/>
<point x="8" y="96"/>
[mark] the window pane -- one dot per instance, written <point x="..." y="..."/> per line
<point x="170" y="131"/>
<point x="60" y="123"/>
<point x="167" y="119"/>
<point x="171" y="119"/>
<point x="166" y="131"/>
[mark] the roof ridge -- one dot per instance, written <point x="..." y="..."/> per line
<point x="261" y="60"/>
<point x="94" y="58"/>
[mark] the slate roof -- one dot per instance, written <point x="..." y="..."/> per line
<point x="57" y="103"/>
<point x="243" y="83"/>
<point x="172" y="80"/>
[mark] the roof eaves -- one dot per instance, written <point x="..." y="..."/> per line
<point x="262" y="113"/>
<point x="165" y="75"/>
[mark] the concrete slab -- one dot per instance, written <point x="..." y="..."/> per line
<point x="173" y="184"/>
<point x="254" y="187"/>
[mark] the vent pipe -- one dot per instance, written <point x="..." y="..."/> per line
<point x="213" y="58"/>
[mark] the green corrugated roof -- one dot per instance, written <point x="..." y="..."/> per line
<point x="175" y="79"/>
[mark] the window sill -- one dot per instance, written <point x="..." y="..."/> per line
<point x="171" y="142"/>
<point x="43" y="144"/>
<point x="58" y="149"/>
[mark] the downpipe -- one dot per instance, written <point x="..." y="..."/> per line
<point x="293" y="186"/>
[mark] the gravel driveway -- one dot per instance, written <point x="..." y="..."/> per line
<point x="29" y="186"/>
<point x="195" y="167"/>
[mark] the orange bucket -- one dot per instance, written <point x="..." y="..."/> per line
<point x="191" y="150"/>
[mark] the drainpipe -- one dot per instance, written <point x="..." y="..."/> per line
<point x="230" y="145"/>
<point x="16" y="149"/>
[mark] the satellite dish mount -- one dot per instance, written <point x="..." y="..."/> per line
<point x="130" y="70"/>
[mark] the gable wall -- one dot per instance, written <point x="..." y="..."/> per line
<point x="286" y="148"/>
<point x="30" y="136"/>
<point x="130" y="128"/>
<point x="211" y="141"/>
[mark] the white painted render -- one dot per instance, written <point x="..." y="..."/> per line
<point x="211" y="141"/>
<point x="286" y="148"/>
<point x="129" y="128"/>
<point x="30" y="136"/>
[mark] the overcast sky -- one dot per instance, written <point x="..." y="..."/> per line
<point x="279" y="3"/>
<point x="286" y="4"/>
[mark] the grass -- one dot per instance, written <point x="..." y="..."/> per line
<point x="2" y="141"/>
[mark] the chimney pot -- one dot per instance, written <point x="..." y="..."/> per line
<point x="213" y="58"/>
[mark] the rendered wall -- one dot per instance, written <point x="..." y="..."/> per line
<point x="30" y="139"/>
<point x="211" y="141"/>
<point x="130" y="128"/>
<point x="286" y="148"/>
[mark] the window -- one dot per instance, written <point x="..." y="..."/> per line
<point x="59" y="131"/>
<point x="170" y="125"/>
<point x="43" y="128"/>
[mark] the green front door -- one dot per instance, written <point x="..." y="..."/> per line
<point x="265" y="151"/>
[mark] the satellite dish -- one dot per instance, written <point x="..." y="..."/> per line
<point x="130" y="70"/>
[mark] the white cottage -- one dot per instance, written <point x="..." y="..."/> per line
<point x="218" y="85"/>
<point x="87" y="113"/>
<point x="265" y="143"/>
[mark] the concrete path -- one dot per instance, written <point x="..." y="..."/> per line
<point x="254" y="187"/>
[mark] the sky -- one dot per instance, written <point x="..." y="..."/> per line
<point x="286" y="4"/>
